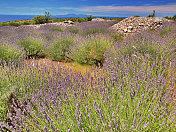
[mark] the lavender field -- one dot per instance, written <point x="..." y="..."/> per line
<point x="131" y="85"/>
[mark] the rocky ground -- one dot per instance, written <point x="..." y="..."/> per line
<point x="138" y="24"/>
<point x="98" y="19"/>
<point x="64" y="24"/>
<point x="128" y="25"/>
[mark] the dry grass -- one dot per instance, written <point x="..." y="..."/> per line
<point x="75" y="67"/>
<point x="20" y="21"/>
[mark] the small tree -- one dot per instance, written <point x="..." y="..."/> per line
<point x="167" y="17"/>
<point x="89" y="18"/>
<point x="42" y="19"/>
<point x="47" y="16"/>
<point x="152" y="15"/>
<point x="174" y="17"/>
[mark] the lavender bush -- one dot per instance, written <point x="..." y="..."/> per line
<point x="32" y="46"/>
<point x="74" y="30"/>
<point x="9" y="53"/>
<point x="59" y="48"/>
<point x="134" y="90"/>
<point x="91" y="51"/>
<point x="58" y="29"/>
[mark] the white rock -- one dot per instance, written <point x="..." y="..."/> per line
<point x="125" y="30"/>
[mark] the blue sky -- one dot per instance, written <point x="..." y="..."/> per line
<point x="118" y="8"/>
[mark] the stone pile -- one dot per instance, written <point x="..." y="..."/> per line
<point x="138" y="24"/>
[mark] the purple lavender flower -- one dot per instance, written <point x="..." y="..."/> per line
<point x="79" y="125"/>
<point x="122" y="97"/>
<point x="142" y="97"/>
<point x="89" y="116"/>
<point x="117" y="108"/>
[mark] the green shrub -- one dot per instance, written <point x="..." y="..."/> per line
<point x="58" y="20"/>
<point x="9" y="52"/>
<point x="73" y="19"/>
<point x="58" y="49"/>
<point x="171" y="18"/>
<point x="81" y="20"/>
<point x="174" y="17"/>
<point x="89" y="18"/>
<point x="39" y="20"/>
<point x="167" y="17"/>
<point x="14" y="24"/>
<point x="32" y="46"/>
<point x="26" y="23"/>
<point x="137" y="16"/>
<point x="10" y="24"/>
<point x="42" y="19"/>
<point x="92" y="51"/>
<point x="3" y="24"/>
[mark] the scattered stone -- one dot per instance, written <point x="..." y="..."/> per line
<point x="125" y="30"/>
<point x="69" y="22"/>
<point x="98" y="19"/>
<point x="64" y="24"/>
<point x="138" y="24"/>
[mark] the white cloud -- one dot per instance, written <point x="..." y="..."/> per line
<point x="38" y="8"/>
<point x="67" y="8"/>
<point x="170" y="8"/>
<point x="147" y="4"/>
<point x="17" y="7"/>
<point x="17" y="13"/>
<point x="111" y="9"/>
<point x="108" y="9"/>
<point x="28" y="8"/>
